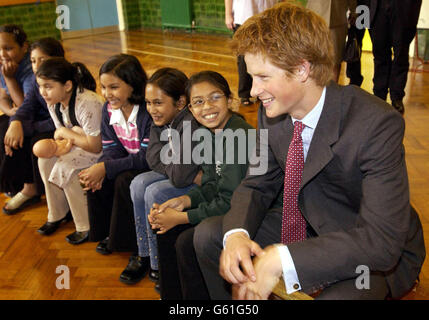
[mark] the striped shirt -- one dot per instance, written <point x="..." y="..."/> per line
<point x="126" y="130"/>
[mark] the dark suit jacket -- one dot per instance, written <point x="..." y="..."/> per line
<point x="354" y="193"/>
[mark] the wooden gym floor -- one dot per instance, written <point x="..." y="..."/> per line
<point x="28" y="261"/>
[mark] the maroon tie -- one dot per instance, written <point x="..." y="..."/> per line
<point x="293" y="223"/>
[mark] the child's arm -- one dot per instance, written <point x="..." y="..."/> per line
<point x="6" y="105"/>
<point x="16" y="94"/>
<point x="79" y="139"/>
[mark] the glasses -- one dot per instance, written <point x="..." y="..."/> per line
<point x="198" y="103"/>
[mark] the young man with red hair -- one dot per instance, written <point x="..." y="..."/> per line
<point x="335" y="197"/>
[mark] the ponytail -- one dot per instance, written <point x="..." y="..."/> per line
<point x="83" y="77"/>
<point x="60" y="70"/>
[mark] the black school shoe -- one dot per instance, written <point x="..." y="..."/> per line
<point x="78" y="237"/>
<point x="399" y="106"/>
<point x="102" y="247"/>
<point x="50" y="227"/>
<point x="154" y="275"/>
<point x="136" y="270"/>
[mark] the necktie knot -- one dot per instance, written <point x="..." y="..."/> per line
<point x="297" y="129"/>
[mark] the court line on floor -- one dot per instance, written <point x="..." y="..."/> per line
<point x="174" y="57"/>
<point x="191" y="50"/>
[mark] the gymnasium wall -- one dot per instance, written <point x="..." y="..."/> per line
<point x="37" y="19"/>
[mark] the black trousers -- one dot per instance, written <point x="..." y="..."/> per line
<point x="111" y="213"/>
<point x="353" y="70"/>
<point x="22" y="166"/>
<point x="179" y="272"/>
<point x="388" y="31"/>
<point x="244" y="79"/>
<point x="208" y="244"/>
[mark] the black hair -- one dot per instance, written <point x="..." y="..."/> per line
<point x="17" y="32"/>
<point x="49" y="46"/>
<point x="212" y="77"/>
<point x="127" y="68"/>
<point x="59" y="69"/>
<point x="171" y="81"/>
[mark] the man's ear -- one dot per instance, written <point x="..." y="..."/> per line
<point x="303" y="71"/>
<point x="181" y="103"/>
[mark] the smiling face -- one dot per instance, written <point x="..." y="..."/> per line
<point x="115" y="90"/>
<point x="209" y="105"/>
<point x="10" y="50"/>
<point x="161" y="107"/>
<point x="54" y="92"/>
<point x="37" y="58"/>
<point x="279" y="93"/>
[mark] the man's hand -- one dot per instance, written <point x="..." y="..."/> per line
<point x="268" y="268"/>
<point x="238" y="251"/>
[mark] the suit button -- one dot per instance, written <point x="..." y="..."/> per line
<point x="296" y="286"/>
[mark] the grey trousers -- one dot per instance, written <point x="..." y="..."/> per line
<point x="208" y="243"/>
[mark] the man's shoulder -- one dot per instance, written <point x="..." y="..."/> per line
<point x="354" y="101"/>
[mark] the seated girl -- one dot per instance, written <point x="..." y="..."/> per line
<point x="75" y="108"/>
<point x="210" y="102"/>
<point x="125" y="131"/>
<point x="166" y="102"/>
<point x="15" y="82"/>
<point x="19" y="173"/>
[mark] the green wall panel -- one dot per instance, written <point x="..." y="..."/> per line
<point x="37" y="20"/>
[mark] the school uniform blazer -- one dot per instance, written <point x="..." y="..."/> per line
<point x="354" y="193"/>
<point x="115" y="157"/>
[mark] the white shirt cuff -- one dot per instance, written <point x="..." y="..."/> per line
<point x="290" y="276"/>
<point x="231" y="232"/>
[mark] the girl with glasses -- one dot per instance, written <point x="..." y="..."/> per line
<point x="210" y="103"/>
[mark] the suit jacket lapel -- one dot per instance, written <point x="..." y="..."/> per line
<point x="325" y="135"/>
